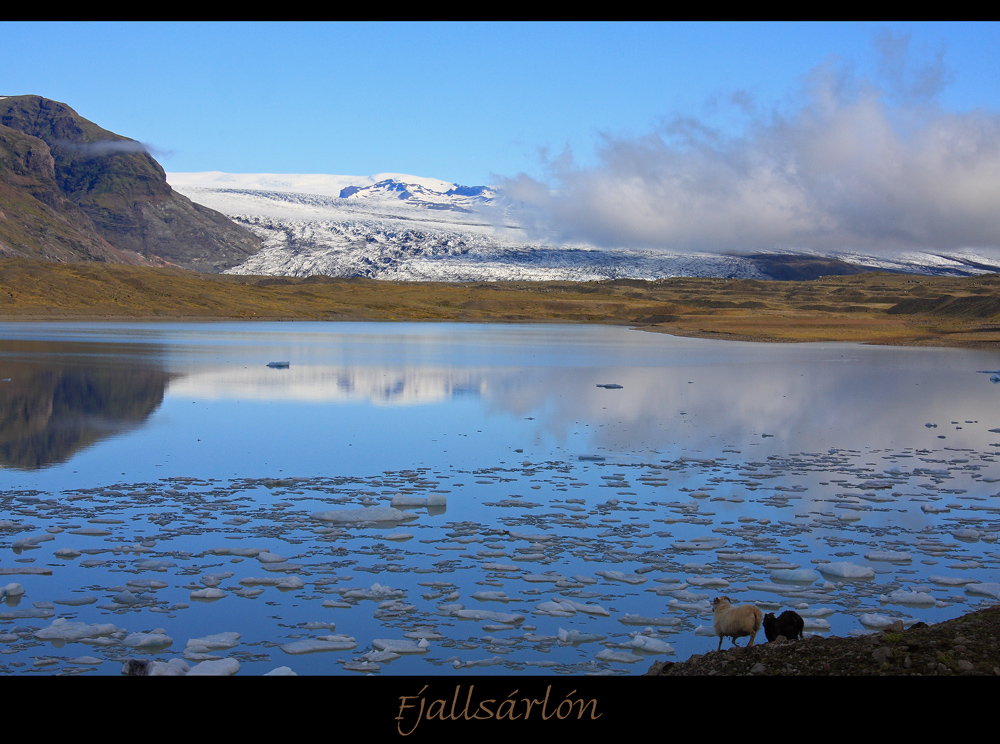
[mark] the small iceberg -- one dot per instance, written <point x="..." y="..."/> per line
<point x="846" y="570"/>
<point x="278" y="365"/>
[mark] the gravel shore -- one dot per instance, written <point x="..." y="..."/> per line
<point x="967" y="645"/>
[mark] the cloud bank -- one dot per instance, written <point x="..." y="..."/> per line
<point x="850" y="165"/>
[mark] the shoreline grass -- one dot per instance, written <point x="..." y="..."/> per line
<point x="878" y="308"/>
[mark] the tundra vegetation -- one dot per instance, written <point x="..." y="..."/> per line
<point x="880" y="308"/>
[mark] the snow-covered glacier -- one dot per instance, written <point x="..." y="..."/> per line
<point x="400" y="227"/>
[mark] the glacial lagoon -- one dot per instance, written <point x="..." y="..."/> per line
<point x="459" y="499"/>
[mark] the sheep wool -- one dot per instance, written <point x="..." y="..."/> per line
<point x="735" y="622"/>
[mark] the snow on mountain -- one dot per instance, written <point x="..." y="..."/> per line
<point x="401" y="227"/>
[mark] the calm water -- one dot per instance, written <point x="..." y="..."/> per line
<point x="167" y="495"/>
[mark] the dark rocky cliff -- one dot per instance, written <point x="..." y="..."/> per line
<point x="70" y="190"/>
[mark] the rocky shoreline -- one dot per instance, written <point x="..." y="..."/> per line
<point x="966" y="645"/>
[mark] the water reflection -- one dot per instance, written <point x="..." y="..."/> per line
<point x="584" y="525"/>
<point x="384" y="386"/>
<point x="53" y="405"/>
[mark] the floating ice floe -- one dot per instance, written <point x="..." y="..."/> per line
<point x="492" y="661"/>
<point x="815" y="624"/>
<point x="209" y="594"/>
<point x="795" y="576"/>
<point x="907" y="597"/>
<point x="494" y="617"/>
<point x="492" y="596"/>
<point x="888" y="556"/>
<point x="411" y="501"/>
<point x="651" y="645"/>
<point x="630" y="619"/>
<point x="375" y="591"/>
<point x="66" y="631"/>
<point x="215" y="668"/>
<point x="984" y="589"/>
<point x="214" y="642"/>
<point x="627" y="578"/>
<point x="845" y="570"/>
<point x="875" y="621"/>
<point x="699" y="543"/>
<point x="398" y="536"/>
<point x="697" y="581"/>
<point x="87" y="599"/>
<point x="375" y="514"/>
<point x="286" y="582"/>
<point x="12" y="590"/>
<point x="966" y="535"/>
<point x="398" y="646"/>
<point x="156" y="639"/>
<point x="950" y="580"/>
<point x="320" y="645"/>
<point x="27" y="543"/>
<point x="577" y="636"/>
<point x="617" y="656"/>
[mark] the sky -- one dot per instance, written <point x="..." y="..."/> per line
<point x="876" y="136"/>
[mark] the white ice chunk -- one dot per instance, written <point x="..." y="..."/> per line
<point x="984" y="589"/>
<point x="400" y="646"/>
<point x="651" y="645"/>
<point x="319" y="645"/>
<point x="876" y="621"/>
<point x="215" y="668"/>
<point x="365" y="514"/>
<point x="493" y="617"/>
<point x="796" y="576"/>
<point x="950" y="580"/>
<point x="617" y="656"/>
<point x="904" y="596"/>
<point x="148" y="640"/>
<point x="208" y="593"/>
<point x="846" y="570"/>
<point x="215" y="642"/>
<point x="577" y="636"/>
<point x="888" y="556"/>
<point x="12" y="590"/>
<point x="630" y="619"/>
<point x="628" y="578"/>
<point x="69" y="632"/>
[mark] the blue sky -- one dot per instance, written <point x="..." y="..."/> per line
<point x="556" y="104"/>
<point x="455" y="101"/>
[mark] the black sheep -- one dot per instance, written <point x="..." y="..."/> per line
<point x="788" y="624"/>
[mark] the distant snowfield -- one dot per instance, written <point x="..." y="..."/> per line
<point x="402" y="227"/>
<point x="301" y="183"/>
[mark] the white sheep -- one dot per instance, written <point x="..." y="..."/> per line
<point x="734" y="622"/>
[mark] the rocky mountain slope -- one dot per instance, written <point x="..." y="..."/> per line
<point x="71" y="190"/>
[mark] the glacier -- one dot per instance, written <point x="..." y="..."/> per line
<point x="392" y="226"/>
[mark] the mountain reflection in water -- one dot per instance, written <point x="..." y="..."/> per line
<point x="48" y="412"/>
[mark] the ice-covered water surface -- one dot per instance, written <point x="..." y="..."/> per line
<point x="473" y="499"/>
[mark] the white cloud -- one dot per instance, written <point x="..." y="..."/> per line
<point x="853" y="166"/>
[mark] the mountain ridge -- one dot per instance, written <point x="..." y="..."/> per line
<point x="77" y="191"/>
